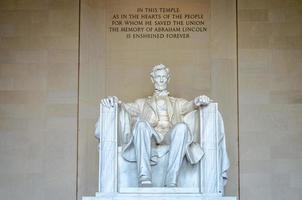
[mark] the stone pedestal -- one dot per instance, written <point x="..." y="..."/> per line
<point x="159" y="196"/>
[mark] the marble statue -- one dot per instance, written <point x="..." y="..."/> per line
<point x="154" y="121"/>
<point x="161" y="145"/>
<point x="145" y="125"/>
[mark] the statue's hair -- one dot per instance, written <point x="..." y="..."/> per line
<point x="160" y="67"/>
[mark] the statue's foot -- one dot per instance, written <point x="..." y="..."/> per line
<point x="145" y="181"/>
<point x="171" y="185"/>
<point x="145" y="184"/>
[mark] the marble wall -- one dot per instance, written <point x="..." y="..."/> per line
<point x="270" y="99"/>
<point x="38" y="99"/>
<point x="113" y="65"/>
<point x="48" y="110"/>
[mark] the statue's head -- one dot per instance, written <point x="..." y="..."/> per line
<point x="160" y="77"/>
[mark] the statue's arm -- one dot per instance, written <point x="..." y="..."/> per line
<point x="132" y="108"/>
<point x="189" y="106"/>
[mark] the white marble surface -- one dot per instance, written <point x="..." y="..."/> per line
<point x="203" y="162"/>
<point x="208" y="176"/>
<point x="157" y="197"/>
<point x="188" y="176"/>
<point x="108" y="150"/>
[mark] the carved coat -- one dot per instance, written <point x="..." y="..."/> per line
<point x="145" y="109"/>
<point x="179" y="110"/>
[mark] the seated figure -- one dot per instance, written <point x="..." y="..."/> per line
<point x="155" y="121"/>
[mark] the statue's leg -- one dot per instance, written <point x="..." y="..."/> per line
<point x="178" y="144"/>
<point x="142" y="133"/>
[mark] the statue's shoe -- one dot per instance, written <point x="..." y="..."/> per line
<point x="145" y="181"/>
<point x="171" y="185"/>
<point x="145" y="184"/>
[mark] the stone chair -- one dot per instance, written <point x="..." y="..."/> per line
<point x="207" y="178"/>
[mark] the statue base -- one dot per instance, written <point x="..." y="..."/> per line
<point x="157" y="196"/>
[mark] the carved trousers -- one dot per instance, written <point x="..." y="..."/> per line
<point x="177" y="139"/>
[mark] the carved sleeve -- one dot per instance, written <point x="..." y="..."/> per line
<point x="132" y="108"/>
<point x="187" y="106"/>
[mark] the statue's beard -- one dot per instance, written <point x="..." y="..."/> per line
<point x="160" y="87"/>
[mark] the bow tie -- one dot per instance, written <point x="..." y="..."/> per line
<point x="161" y="93"/>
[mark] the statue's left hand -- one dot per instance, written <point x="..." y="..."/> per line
<point x="202" y="100"/>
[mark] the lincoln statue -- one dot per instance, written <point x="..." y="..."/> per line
<point x="158" y="120"/>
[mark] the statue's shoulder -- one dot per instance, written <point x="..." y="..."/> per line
<point x="173" y="99"/>
<point x="177" y="99"/>
<point x="141" y="100"/>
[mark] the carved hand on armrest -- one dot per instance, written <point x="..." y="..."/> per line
<point x="108" y="105"/>
<point x="202" y="100"/>
<point x="110" y="101"/>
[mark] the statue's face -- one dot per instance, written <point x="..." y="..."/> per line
<point x="160" y="80"/>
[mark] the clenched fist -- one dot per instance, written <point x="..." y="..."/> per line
<point x="202" y="100"/>
<point x="110" y="101"/>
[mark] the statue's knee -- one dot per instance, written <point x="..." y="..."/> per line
<point x="181" y="130"/>
<point x="141" y="124"/>
<point x="142" y="129"/>
<point x="182" y="127"/>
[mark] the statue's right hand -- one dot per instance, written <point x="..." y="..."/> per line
<point x="110" y="101"/>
